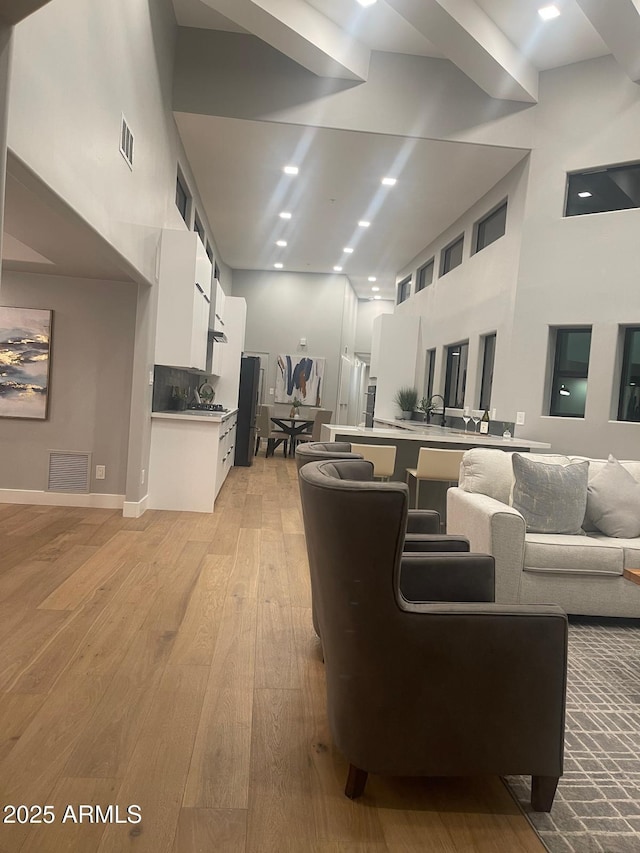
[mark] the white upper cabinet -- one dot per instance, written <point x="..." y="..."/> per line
<point x="184" y="298"/>
<point x="216" y="320"/>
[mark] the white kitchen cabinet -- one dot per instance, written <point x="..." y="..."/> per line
<point x="216" y="320"/>
<point x="184" y="298"/>
<point x="191" y="455"/>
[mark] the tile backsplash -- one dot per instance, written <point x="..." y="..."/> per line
<point x="166" y="380"/>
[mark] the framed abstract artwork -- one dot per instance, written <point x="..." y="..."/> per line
<point x="300" y="377"/>
<point x="25" y="347"/>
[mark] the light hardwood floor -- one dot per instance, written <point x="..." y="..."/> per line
<point x="170" y="662"/>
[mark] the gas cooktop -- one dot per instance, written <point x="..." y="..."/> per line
<point x="207" y="407"/>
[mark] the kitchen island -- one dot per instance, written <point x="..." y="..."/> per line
<point x="412" y="435"/>
<point x="191" y="454"/>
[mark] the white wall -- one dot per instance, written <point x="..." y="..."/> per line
<point x="474" y="299"/>
<point x="283" y="307"/>
<point x="368" y="310"/>
<point x="582" y="269"/>
<point x="90" y="380"/>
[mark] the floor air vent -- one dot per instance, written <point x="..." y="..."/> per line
<point x="68" y="471"/>
<point x="126" y="142"/>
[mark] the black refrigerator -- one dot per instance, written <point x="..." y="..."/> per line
<point x="247" y="409"/>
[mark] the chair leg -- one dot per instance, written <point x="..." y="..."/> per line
<point x="285" y="448"/>
<point x="257" y="445"/>
<point x="270" y="447"/>
<point x="543" y="790"/>
<point x="356" y="781"/>
<point x="417" y="493"/>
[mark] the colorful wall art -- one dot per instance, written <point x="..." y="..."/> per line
<point x="25" y="342"/>
<point x="301" y="377"/>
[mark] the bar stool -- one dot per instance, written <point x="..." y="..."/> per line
<point x="383" y="457"/>
<point x="436" y="464"/>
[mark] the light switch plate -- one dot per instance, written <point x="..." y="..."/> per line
<point x="520" y="418"/>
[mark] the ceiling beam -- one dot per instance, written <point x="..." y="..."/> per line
<point x="302" y="33"/>
<point x="618" y="24"/>
<point x="471" y="40"/>
<point x="13" y="11"/>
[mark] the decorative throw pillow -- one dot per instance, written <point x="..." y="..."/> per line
<point x="613" y="501"/>
<point x="551" y="498"/>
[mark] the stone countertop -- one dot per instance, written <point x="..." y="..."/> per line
<point x="425" y="433"/>
<point x="195" y="415"/>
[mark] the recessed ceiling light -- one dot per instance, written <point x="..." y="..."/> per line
<point x="282" y="243"/>
<point x="375" y="288"/>
<point x="278" y="266"/>
<point x="363" y="223"/>
<point x="377" y="297"/>
<point x="285" y="215"/>
<point x="366" y="2"/>
<point x="547" y="13"/>
<point x="584" y="194"/>
<point x="347" y="250"/>
<point x="372" y="278"/>
<point x="290" y="170"/>
<point x="337" y="269"/>
<point x="389" y="182"/>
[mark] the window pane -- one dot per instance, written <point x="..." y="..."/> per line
<point x="431" y="365"/>
<point x="629" y="400"/>
<point x="487" y="371"/>
<point x="456" y="376"/>
<point x="404" y="289"/>
<point x="182" y="199"/>
<point x="452" y="256"/>
<point x="198" y="227"/>
<point x="612" y="188"/>
<point x="425" y="276"/>
<point x="571" y="368"/>
<point x="491" y="227"/>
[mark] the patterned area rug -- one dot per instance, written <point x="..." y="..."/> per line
<point x="597" y="805"/>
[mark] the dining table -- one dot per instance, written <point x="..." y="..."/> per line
<point x="292" y="427"/>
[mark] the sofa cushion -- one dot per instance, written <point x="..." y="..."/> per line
<point x="487" y="471"/>
<point x="551" y="498"/>
<point x="613" y="501"/>
<point x="583" y="555"/>
<point x="630" y="548"/>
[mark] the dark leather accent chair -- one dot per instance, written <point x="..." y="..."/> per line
<point x="434" y="687"/>
<point x="423" y="525"/>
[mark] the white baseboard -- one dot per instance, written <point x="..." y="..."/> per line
<point x="134" y="509"/>
<point x="41" y="498"/>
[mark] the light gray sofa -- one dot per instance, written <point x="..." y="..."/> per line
<point x="581" y="573"/>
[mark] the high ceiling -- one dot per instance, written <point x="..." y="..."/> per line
<point x="501" y="45"/>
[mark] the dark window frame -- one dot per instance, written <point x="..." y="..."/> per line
<point x="480" y="228"/>
<point x="607" y="193"/>
<point x="456" y="374"/>
<point x="431" y="369"/>
<point x="404" y="290"/>
<point x="183" y="197"/>
<point x="486" y="382"/>
<point x="445" y="255"/>
<point x="198" y="227"/>
<point x="562" y="375"/>
<point x="421" y="284"/>
<point x="629" y="380"/>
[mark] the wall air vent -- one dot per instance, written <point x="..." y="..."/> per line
<point x="126" y="142"/>
<point x="69" y="471"/>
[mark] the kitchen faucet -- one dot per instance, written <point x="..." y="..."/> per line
<point x="431" y="399"/>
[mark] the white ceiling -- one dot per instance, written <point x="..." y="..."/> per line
<point x="239" y="164"/>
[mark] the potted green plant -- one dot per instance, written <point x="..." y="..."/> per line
<point x="406" y="399"/>
<point x="295" y="405"/>
<point x="422" y="409"/>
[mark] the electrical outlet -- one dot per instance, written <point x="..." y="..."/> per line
<point x="520" y="418"/>
<point x="142" y="476"/>
<point x="272" y="391"/>
<point x="101" y="472"/>
<point x="151" y="377"/>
